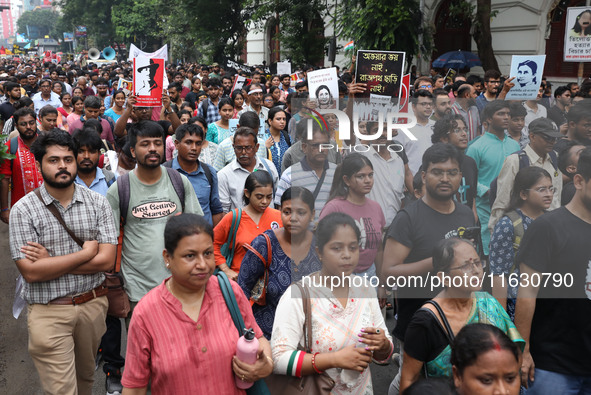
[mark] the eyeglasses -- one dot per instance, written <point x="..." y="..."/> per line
<point x="548" y="138"/>
<point x="247" y="148"/>
<point x="425" y="86"/>
<point x="458" y="130"/>
<point x="543" y="189"/>
<point x="440" y="172"/>
<point x="470" y="266"/>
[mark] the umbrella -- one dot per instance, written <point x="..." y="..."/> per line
<point x="457" y="60"/>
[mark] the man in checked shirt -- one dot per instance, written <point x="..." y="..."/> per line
<point x="64" y="280"/>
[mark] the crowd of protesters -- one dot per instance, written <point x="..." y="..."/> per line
<point x="175" y="200"/>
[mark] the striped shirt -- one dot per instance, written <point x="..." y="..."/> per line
<point x="471" y="117"/>
<point x="88" y="215"/>
<point x="302" y="175"/>
<point x="178" y="355"/>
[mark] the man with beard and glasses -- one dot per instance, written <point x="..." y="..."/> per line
<point x="65" y="289"/>
<point x="232" y="177"/>
<point x="492" y="91"/>
<point x="21" y="176"/>
<point x="152" y="198"/>
<point x="418" y="227"/>
<point x="465" y="105"/>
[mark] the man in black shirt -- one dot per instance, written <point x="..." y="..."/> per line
<point x="557" y="113"/>
<point x="554" y="317"/>
<point x="417" y="228"/>
<point x="452" y="129"/>
<point x="13" y="94"/>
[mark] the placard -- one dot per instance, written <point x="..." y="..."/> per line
<point x="323" y="86"/>
<point x="577" y="35"/>
<point x="527" y="71"/>
<point x="382" y="72"/>
<point x="148" y="76"/>
<point x="240" y="82"/>
<point x="126" y="86"/>
<point x="284" y="67"/>
<point x="261" y="135"/>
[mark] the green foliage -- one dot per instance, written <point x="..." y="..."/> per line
<point x="43" y="19"/>
<point x="94" y="14"/>
<point x="301" y="27"/>
<point x="385" y="25"/>
<point x="4" y="154"/>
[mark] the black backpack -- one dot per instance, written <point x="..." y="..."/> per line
<point x="523" y="162"/>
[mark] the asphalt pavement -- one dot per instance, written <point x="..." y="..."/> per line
<point x="17" y="372"/>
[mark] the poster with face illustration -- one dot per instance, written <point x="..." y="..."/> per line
<point x="577" y="34"/>
<point x="148" y="81"/>
<point x="324" y="87"/>
<point x="527" y="71"/>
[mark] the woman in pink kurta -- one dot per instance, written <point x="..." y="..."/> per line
<point x="182" y="338"/>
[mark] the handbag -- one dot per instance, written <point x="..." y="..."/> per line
<point x="259" y="387"/>
<point x="445" y="328"/>
<point x="229" y="247"/>
<point x="318" y="384"/>
<point x="259" y="292"/>
<point x="118" y="300"/>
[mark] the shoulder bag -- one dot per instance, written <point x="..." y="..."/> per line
<point x="229" y="247"/>
<point x="258" y="294"/>
<point x="118" y="300"/>
<point x="316" y="384"/>
<point x="259" y="387"/>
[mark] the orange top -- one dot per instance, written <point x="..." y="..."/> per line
<point x="247" y="231"/>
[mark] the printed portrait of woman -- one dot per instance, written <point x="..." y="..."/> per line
<point x="582" y="26"/>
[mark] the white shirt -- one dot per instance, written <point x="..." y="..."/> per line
<point x="388" y="182"/>
<point x="531" y="114"/>
<point x="231" y="181"/>
<point x="416" y="148"/>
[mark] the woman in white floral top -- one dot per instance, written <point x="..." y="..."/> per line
<point x="348" y="329"/>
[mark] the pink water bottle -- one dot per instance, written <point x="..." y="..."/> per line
<point x="246" y="351"/>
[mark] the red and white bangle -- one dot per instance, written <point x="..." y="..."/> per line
<point x="314" y="364"/>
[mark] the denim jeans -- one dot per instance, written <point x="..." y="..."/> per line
<point x="546" y="383"/>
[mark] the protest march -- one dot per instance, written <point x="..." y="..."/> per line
<point x="203" y="226"/>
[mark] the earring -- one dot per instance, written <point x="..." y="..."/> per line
<point x="167" y="264"/>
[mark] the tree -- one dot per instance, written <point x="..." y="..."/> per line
<point x="480" y="16"/>
<point x="385" y="25"/>
<point x="96" y="15"/>
<point x="301" y="27"/>
<point x="41" y="20"/>
<point x="138" y="21"/>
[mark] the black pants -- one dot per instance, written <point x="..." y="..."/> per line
<point x="111" y="347"/>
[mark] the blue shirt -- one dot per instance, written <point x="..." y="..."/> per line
<point x="202" y="189"/>
<point x="99" y="184"/>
